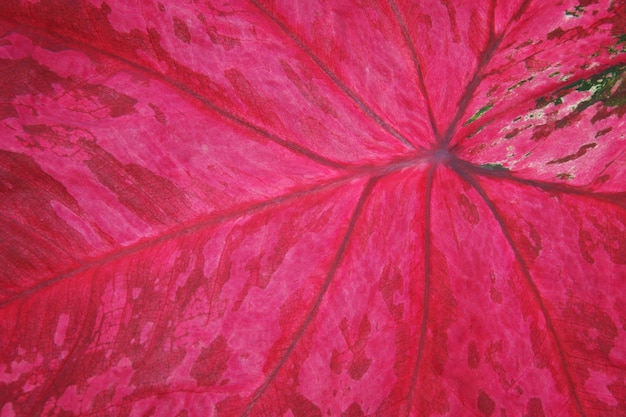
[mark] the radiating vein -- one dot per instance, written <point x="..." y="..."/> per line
<point x="492" y="45"/>
<point x="416" y="64"/>
<point x="204" y="221"/>
<point x="469" y="179"/>
<point x="291" y="146"/>
<point x="493" y="42"/>
<point x="427" y="276"/>
<point x="333" y="77"/>
<point x="617" y="198"/>
<point x="367" y="190"/>
<point x="183" y="230"/>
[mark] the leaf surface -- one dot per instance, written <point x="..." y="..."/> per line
<point x="268" y="208"/>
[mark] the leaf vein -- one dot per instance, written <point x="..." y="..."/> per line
<point x="469" y="179"/>
<point x="333" y="77"/>
<point x="367" y="190"/>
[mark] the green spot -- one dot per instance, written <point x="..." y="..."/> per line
<point x="554" y="74"/>
<point x="564" y="176"/>
<point x="601" y="86"/>
<point x="600" y="81"/>
<point x="541" y="102"/>
<point x="479" y="113"/>
<point x="615" y="49"/>
<point x="577" y="12"/>
<point x="494" y="167"/>
<point x="517" y="119"/>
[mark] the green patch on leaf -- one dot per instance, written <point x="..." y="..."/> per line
<point x="599" y="81"/>
<point x="618" y="47"/>
<point x="604" y="87"/>
<point x="564" y="176"/>
<point x="601" y="88"/>
<point x="542" y="102"/>
<point x="554" y="74"/>
<point x="576" y="12"/>
<point x="494" y="167"/>
<point x="479" y="113"/>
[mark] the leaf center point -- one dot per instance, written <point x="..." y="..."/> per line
<point x="440" y="156"/>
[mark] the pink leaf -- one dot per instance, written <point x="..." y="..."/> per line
<point x="269" y="208"/>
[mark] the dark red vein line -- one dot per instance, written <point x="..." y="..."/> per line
<point x="469" y="179"/>
<point x="518" y="14"/>
<point x="183" y="230"/>
<point x="492" y="17"/>
<point x="353" y="96"/>
<point x="618" y="199"/>
<point x="427" y="276"/>
<point x="367" y="190"/>
<point x="493" y="42"/>
<point x="205" y="221"/>
<point x="492" y="45"/>
<point x="291" y="146"/>
<point x="416" y="64"/>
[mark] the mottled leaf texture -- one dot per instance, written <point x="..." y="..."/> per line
<point x="313" y="208"/>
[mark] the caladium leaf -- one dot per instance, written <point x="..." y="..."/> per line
<point x="269" y="208"/>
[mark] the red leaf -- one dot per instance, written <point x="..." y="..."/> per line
<point x="269" y="208"/>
